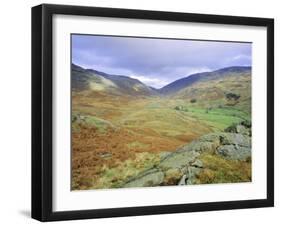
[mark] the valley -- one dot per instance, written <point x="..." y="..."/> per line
<point x="120" y="127"/>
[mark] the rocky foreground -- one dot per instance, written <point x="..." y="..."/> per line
<point x="183" y="166"/>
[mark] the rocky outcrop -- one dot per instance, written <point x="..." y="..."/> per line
<point x="244" y="127"/>
<point x="182" y="166"/>
<point x="148" y="178"/>
<point x="234" y="152"/>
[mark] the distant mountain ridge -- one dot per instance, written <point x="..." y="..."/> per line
<point x="90" y="79"/>
<point x="191" y="79"/>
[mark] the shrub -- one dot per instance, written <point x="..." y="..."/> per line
<point x="246" y="123"/>
<point x="232" y="96"/>
<point x="193" y="100"/>
<point x="179" y="108"/>
<point x="231" y="129"/>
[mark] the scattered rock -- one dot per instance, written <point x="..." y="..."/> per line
<point x="178" y="160"/>
<point x="234" y="152"/>
<point x="105" y="155"/>
<point x="183" y="180"/>
<point x="243" y="127"/>
<point x="197" y="163"/>
<point x="201" y="146"/>
<point x="235" y="139"/>
<point x="149" y="180"/>
<point x="211" y="137"/>
<point x="182" y="166"/>
<point x="242" y="130"/>
<point x="192" y="172"/>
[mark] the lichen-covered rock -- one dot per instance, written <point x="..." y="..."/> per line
<point x="244" y="127"/>
<point x="192" y="173"/>
<point x="211" y="137"/>
<point x="235" y="139"/>
<point x="182" y="166"/>
<point x="242" y="130"/>
<point x="150" y="179"/>
<point x="197" y="163"/>
<point x="183" y="180"/>
<point x="234" y="152"/>
<point x="200" y="146"/>
<point x="178" y="160"/>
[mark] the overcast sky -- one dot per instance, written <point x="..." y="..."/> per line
<point x="156" y="62"/>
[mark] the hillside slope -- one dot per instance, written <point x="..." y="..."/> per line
<point x="230" y="87"/>
<point x="185" y="82"/>
<point x="92" y="80"/>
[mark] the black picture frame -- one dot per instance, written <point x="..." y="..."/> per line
<point x="42" y="107"/>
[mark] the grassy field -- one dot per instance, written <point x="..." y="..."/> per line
<point x="115" y="137"/>
<point x="217" y="118"/>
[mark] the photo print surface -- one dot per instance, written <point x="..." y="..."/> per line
<point x="159" y="112"/>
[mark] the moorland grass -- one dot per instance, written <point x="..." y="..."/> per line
<point x="220" y="170"/>
<point x="127" y="128"/>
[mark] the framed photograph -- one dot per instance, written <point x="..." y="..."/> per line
<point x="145" y="112"/>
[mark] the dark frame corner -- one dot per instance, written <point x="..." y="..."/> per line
<point x="42" y="111"/>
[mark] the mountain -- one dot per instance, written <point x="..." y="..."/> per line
<point x="182" y="83"/>
<point x="225" y="87"/>
<point x="89" y="79"/>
